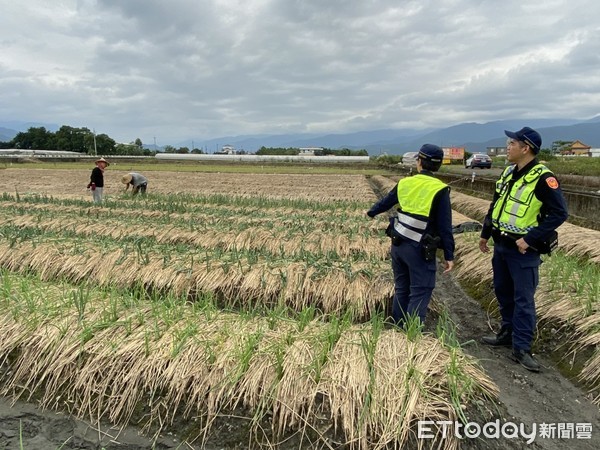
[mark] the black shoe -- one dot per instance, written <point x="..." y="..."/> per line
<point x="503" y="338"/>
<point x="526" y="360"/>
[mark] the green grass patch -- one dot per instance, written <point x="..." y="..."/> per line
<point x="574" y="165"/>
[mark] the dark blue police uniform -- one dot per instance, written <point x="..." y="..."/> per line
<point x="414" y="277"/>
<point x="515" y="274"/>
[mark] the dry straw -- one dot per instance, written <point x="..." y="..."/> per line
<point x="334" y="288"/>
<point x="372" y="387"/>
<point x="573" y="240"/>
<point x="561" y="299"/>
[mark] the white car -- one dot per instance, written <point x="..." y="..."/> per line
<point x="479" y="160"/>
<point x="410" y="159"/>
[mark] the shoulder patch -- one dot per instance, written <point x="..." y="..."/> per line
<point x="552" y="182"/>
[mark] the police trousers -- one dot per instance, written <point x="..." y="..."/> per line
<point x="516" y="277"/>
<point x="414" y="280"/>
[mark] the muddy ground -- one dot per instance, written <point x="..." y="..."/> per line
<point x="525" y="397"/>
<point x="24" y="426"/>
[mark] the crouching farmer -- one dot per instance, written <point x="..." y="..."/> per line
<point x="138" y="182"/>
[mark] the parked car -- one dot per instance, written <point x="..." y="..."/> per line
<point x="479" y="160"/>
<point x="410" y="159"/>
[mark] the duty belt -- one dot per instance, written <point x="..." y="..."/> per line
<point x="504" y="238"/>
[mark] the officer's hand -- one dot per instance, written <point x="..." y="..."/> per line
<point x="522" y="245"/>
<point x="449" y="265"/>
<point x="483" y="245"/>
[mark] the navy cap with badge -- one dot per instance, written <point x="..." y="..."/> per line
<point x="431" y="152"/>
<point x="528" y="135"/>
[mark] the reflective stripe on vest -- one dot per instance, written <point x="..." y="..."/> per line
<point x="517" y="211"/>
<point x="415" y="197"/>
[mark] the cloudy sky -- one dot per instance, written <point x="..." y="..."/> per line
<point x="197" y="69"/>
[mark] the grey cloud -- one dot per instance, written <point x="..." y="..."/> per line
<point x="186" y="69"/>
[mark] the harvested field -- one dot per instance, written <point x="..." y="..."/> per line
<point x="72" y="183"/>
<point x="228" y="299"/>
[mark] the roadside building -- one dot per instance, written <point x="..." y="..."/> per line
<point x="496" y="151"/>
<point x="577" y="148"/>
<point x="309" y="151"/>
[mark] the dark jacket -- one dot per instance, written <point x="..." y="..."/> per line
<point x="97" y="177"/>
<point x="440" y="217"/>
<point x="552" y="214"/>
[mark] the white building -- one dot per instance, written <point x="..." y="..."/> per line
<point x="40" y="153"/>
<point x="263" y="158"/>
<point x="309" y="151"/>
<point x="228" y="150"/>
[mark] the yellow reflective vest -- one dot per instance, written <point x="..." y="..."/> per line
<point x="415" y="197"/>
<point x="517" y="211"/>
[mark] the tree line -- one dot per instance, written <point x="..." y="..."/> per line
<point x="79" y="140"/>
<point x="83" y="140"/>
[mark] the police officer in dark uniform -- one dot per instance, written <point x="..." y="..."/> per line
<point x="527" y="208"/>
<point x="422" y="224"/>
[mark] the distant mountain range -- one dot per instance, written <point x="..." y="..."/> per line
<point x="475" y="137"/>
<point x="9" y="129"/>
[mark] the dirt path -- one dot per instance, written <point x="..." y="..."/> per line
<point x="526" y="397"/>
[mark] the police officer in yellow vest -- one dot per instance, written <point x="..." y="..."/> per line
<point x="527" y="208"/>
<point x="422" y="224"/>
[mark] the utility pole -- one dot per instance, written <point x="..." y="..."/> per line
<point x="154" y="143"/>
<point x="95" y="148"/>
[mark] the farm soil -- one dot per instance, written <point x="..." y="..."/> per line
<point x="23" y="426"/>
